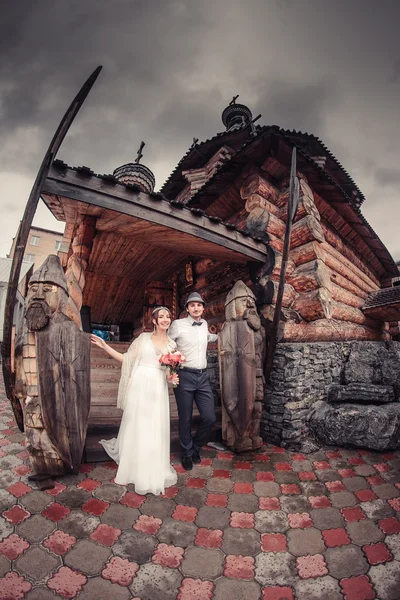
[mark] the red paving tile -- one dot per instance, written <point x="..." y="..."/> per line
<point x="88" y="484"/>
<point x="13" y="587"/>
<point x="120" y="570"/>
<point x="335" y="486"/>
<point x="273" y="542"/>
<point x="16" y="515"/>
<point x="56" y="512"/>
<point x="185" y="513"/>
<point x="243" y="488"/>
<point x="147" y="524"/>
<point x="358" y="588"/>
<point x="57" y="489"/>
<point x="365" y="495"/>
<point x="217" y="500"/>
<point x="299" y="457"/>
<point x="382" y="468"/>
<point x="269" y="503"/>
<point x="322" y="465"/>
<point x="277" y="593"/>
<point x="225" y="455"/>
<point x="67" y="583"/>
<point x="346" y="473"/>
<point x="59" y="542"/>
<point x="307" y="476"/>
<point x="300" y="520"/>
<point x="13" y="546"/>
<point x="243" y="466"/>
<point x="311" y="566"/>
<point x="239" y="567"/>
<point x="319" y="501"/>
<point x="262" y="458"/>
<point x="242" y="520"/>
<point x="354" y="460"/>
<point x="353" y="514"/>
<point x="170" y="492"/>
<point x="395" y="503"/>
<point x="132" y="500"/>
<point x="375" y="480"/>
<point x="196" y="482"/>
<point x="390" y="525"/>
<point x="283" y="466"/>
<point x="209" y="538"/>
<point x="290" y="488"/>
<point x="21" y="470"/>
<point x="106" y="535"/>
<point x="377" y="553"/>
<point x="221" y="474"/>
<point x="195" y="589"/>
<point x="335" y="537"/>
<point x="265" y="476"/>
<point x="95" y="507"/>
<point x="168" y="556"/>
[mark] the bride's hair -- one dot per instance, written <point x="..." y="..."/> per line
<point x="155" y="313"/>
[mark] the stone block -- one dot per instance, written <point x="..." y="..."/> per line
<point x="364" y="393"/>
<point x="371" y="426"/>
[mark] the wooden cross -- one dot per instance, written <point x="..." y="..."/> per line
<point x="195" y="140"/>
<point x="139" y="152"/>
<point x="233" y="101"/>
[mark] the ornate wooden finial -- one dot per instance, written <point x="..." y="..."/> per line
<point x="233" y="101"/>
<point x="139" y="152"/>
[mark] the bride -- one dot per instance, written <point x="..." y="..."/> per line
<point x="142" y="448"/>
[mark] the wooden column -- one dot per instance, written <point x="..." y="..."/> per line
<point x="82" y="244"/>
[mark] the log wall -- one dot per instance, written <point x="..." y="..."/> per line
<point x="327" y="279"/>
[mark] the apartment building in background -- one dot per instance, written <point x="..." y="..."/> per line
<point x="41" y="243"/>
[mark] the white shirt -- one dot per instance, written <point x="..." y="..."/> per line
<point x="192" y="341"/>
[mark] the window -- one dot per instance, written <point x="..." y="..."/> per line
<point x="30" y="258"/>
<point x="34" y="240"/>
<point x="58" y="245"/>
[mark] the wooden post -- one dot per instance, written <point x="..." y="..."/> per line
<point x="291" y="213"/>
<point x="77" y="264"/>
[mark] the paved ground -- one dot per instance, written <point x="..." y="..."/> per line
<point x="275" y="526"/>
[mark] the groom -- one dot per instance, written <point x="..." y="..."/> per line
<point x="192" y="336"/>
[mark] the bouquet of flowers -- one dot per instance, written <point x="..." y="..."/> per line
<point x="172" y="361"/>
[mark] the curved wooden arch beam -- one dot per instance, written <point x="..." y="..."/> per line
<point x="23" y="233"/>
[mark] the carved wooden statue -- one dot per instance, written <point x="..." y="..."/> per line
<point x="52" y="376"/>
<point x="241" y="356"/>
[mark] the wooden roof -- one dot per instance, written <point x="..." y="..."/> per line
<point x="349" y="221"/>
<point x="139" y="237"/>
<point x="383" y="305"/>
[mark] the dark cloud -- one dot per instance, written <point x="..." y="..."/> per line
<point x="170" y="67"/>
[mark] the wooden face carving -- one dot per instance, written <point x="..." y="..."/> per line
<point x="42" y="301"/>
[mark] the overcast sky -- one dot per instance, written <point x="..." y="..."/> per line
<point x="328" y="67"/>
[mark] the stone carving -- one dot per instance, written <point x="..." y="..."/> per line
<point x="52" y="376"/>
<point x="241" y="355"/>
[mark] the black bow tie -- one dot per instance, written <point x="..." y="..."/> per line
<point x="197" y="323"/>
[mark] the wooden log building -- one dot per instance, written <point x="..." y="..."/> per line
<point x="218" y="218"/>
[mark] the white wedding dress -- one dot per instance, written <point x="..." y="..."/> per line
<point x="142" y="448"/>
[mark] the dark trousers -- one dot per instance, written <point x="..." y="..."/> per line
<point x="194" y="387"/>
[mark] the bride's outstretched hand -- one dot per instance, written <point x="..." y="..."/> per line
<point x="98" y="341"/>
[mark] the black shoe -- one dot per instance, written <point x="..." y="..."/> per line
<point x="187" y="463"/>
<point x="196" y="458"/>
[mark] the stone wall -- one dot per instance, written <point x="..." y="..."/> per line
<point x="302" y="374"/>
